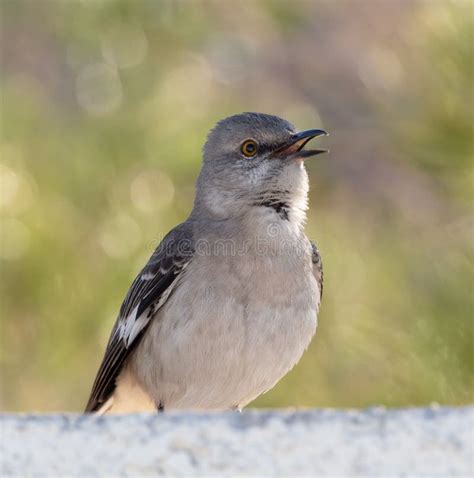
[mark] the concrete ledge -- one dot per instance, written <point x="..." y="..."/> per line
<point x="376" y="442"/>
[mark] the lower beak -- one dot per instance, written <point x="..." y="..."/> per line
<point x="294" y="148"/>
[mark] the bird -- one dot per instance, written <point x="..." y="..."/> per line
<point x="228" y="302"/>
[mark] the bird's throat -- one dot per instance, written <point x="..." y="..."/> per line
<point x="281" y="207"/>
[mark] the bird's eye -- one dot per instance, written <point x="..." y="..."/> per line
<point x="249" y="148"/>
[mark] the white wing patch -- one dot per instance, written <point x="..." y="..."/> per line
<point x="147" y="276"/>
<point x="126" y="324"/>
<point x="136" y="328"/>
<point x="132" y="325"/>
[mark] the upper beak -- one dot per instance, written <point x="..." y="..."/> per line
<point x="294" y="148"/>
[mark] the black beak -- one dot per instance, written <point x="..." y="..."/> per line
<point x="294" y="148"/>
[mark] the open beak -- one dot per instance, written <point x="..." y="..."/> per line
<point x="294" y="148"/>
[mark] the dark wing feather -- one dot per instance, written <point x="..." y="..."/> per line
<point x="147" y="293"/>
<point x="318" y="268"/>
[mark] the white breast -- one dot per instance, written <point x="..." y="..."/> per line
<point x="226" y="336"/>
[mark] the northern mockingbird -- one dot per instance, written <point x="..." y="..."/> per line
<point x="227" y="303"/>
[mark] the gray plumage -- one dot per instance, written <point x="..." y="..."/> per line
<point x="227" y="303"/>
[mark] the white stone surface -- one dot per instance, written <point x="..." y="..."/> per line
<point x="376" y="443"/>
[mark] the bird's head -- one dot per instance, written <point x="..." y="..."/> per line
<point x="254" y="160"/>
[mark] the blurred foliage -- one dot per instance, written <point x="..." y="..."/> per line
<point x="104" y="109"/>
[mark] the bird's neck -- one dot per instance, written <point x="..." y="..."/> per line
<point x="277" y="213"/>
<point x="275" y="204"/>
<point x="283" y="204"/>
<point x="285" y="200"/>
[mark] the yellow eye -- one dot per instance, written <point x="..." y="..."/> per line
<point x="249" y="148"/>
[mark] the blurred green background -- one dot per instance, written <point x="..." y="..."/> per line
<point x="105" y="105"/>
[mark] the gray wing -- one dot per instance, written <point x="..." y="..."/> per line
<point x="318" y="268"/>
<point x="147" y="294"/>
